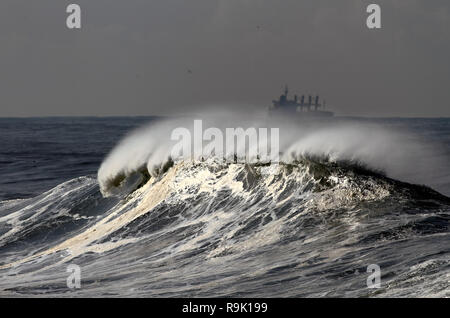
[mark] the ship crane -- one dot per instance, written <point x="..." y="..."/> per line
<point x="316" y="103"/>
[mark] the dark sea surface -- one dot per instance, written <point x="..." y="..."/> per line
<point x="40" y="153"/>
<point x="206" y="229"/>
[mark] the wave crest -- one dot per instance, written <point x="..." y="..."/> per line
<point x="146" y="152"/>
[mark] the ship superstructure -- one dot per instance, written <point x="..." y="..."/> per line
<point x="303" y="107"/>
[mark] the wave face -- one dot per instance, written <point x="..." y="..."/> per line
<point x="309" y="226"/>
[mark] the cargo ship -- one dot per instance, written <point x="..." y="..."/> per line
<point x="298" y="107"/>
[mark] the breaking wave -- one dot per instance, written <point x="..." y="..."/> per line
<point x="308" y="226"/>
<point x="400" y="155"/>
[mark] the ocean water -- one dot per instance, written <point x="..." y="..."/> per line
<point x="101" y="194"/>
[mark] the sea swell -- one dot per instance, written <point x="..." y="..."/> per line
<point x="220" y="223"/>
<point x="309" y="225"/>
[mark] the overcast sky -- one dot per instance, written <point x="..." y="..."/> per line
<point x="162" y="57"/>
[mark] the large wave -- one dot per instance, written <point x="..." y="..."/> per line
<point x="308" y="226"/>
<point x="213" y="228"/>
<point x="398" y="154"/>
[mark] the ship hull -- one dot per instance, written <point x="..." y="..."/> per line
<point x="310" y="114"/>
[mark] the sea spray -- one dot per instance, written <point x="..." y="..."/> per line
<point x="399" y="154"/>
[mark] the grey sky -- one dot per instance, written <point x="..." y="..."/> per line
<point x="132" y="57"/>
